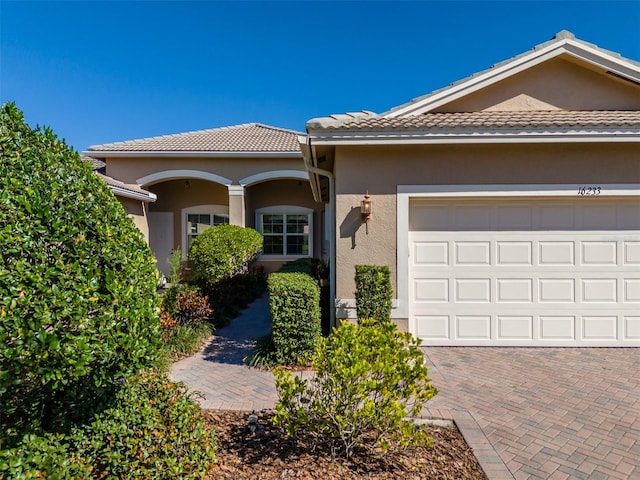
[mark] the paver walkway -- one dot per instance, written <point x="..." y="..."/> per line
<point x="218" y="372"/>
<point x="528" y="413"/>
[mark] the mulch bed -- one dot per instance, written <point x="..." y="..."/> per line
<point x="267" y="454"/>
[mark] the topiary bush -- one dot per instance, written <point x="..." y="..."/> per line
<point x="78" y="304"/>
<point x="294" y="302"/>
<point x="223" y="251"/>
<point x="373" y="292"/>
<point x="369" y="380"/>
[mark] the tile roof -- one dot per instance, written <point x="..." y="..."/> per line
<point x="250" y="137"/>
<point x="117" y="184"/>
<point x="484" y="120"/>
<point x="96" y="163"/>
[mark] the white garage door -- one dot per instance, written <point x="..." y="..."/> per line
<point x="525" y="272"/>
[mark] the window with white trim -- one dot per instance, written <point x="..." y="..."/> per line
<point x="287" y="231"/>
<point x="197" y="219"/>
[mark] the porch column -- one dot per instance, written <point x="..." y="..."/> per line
<point x="236" y="205"/>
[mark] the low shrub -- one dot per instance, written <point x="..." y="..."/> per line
<point x="185" y="304"/>
<point x="294" y="302"/>
<point x="263" y="354"/>
<point x="369" y="379"/>
<point x="373" y="292"/>
<point x="152" y="430"/>
<point x="223" y="251"/>
<point x="184" y="340"/>
<point x="230" y="296"/>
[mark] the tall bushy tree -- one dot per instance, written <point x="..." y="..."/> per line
<point x="78" y="304"/>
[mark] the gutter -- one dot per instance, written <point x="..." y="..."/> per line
<point x="307" y="155"/>
<point x="123" y="192"/>
<point x="188" y="154"/>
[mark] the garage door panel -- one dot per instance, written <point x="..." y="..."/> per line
<point x="556" y="253"/>
<point x="632" y="253"/>
<point x="557" y="327"/>
<point x="514" y="327"/>
<point x="472" y="253"/>
<point x="431" y="290"/>
<point x="431" y="253"/>
<point x="515" y="283"/>
<point x="599" y="253"/>
<point x="557" y="290"/>
<point x="509" y="290"/>
<point x="632" y="327"/>
<point x="632" y="290"/>
<point x="514" y="253"/>
<point x="599" y="290"/>
<point x="599" y="327"/>
<point x="473" y="327"/>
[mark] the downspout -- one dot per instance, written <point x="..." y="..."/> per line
<point x="307" y="156"/>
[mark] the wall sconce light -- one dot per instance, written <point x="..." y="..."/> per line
<point x="187" y="184"/>
<point x="366" y="209"/>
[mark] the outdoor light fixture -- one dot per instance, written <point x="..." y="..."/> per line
<point x="187" y="184"/>
<point x="366" y="208"/>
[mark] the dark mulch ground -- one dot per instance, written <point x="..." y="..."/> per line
<point x="268" y="455"/>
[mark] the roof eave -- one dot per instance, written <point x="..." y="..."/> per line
<point x="123" y="192"/>
<point x="424" y="137"/>
<point x="190" y="154"/>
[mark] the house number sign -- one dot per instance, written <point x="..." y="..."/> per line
<point x="589" y="191"/>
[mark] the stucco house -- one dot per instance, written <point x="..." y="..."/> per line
<point x="249" y="175"/>
<point x="506" y="204"/>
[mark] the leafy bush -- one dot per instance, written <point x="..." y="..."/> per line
<point x="368" y="379"/>
<point x="185" y="304"/>
<point x="223" y="251"/>
<point x="230" y="296"/>
<point x="373" y="292"/>
<point x="184" y="340"/>
<point x="294" y="302"/>
<point x="152" y="430"/>
<point x="263" y="354"/>
<point x="313" y="267"/>
<point x="77" y="283"/>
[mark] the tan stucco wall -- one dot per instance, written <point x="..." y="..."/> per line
<point x="557" y="84"/>
<point x="173" y="197"/>
<point x="381" y="169"/>
<point x="129" y="170"/>
<point x="137" y="211"/>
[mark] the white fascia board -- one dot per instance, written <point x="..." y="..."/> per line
<point x="603" y="60"/>
<point x="473" y="84"/>
<point x="420" y="138"/>
<point x="188" y="154"/>
<point x="123" y="192"/>
<point x="519" y="190"/>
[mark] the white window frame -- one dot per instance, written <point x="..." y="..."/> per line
<point x="198" y="210"/>
<point x="286" y="210"/>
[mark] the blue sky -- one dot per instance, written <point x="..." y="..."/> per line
<point x="99" y="72"/>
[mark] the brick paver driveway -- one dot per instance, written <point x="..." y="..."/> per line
<point x="548" y="412"/>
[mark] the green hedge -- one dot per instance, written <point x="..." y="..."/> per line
<point x="294" y="300"/>
<point x="223" y="251"/>
<point x="153" y="429"/>
<point x="373" y="292"/>
<point x="78" y="304"/>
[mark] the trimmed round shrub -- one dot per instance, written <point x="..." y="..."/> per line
<point x="223" y="251"/>
<point x="78" y="304"/>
